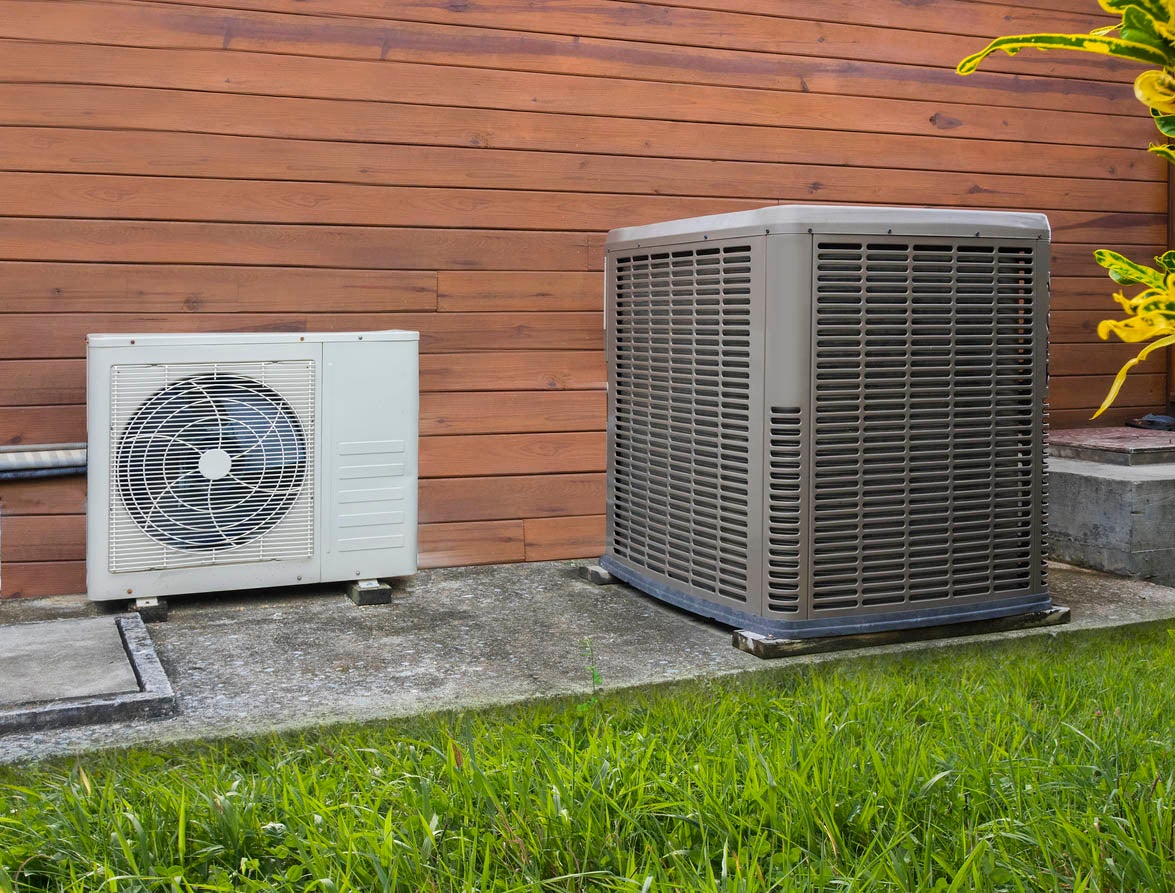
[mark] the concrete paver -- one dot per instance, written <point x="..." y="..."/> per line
<point x="457" y="638"/>
<point x="78" y="658"/>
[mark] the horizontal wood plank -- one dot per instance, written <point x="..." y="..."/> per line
<point x="549" y="539"/>
<point x="1118" y="414"/>
<point x="236" y="202"/>
<point x="971" y="183"/>
<point x="46" y="382"/>
<point x="453" y="86"/>
<point x="1142" y="388"/>
<point x="72" y="288"/>
<point x="42" y="424"/>
<point x="349" y="247"/>
<point x="480" y="542"/>
<point x="511" y="497"/>
<point x="515" y="371"/>
<point x="43" y="496"/>
<point x="500" y="412"/>
<point x="1097" y="358"/>
<point x="460" y="291"/>
<point x="511" y="412"/>
<point x="42" y="538"/>
<point x="497" y="454"/>
<point x="42" y="382"/>
<point x="90" y="106"/>
<point x="64" y="335"/>
<point x="33" y="579"/>
<point x="605" y="40"/>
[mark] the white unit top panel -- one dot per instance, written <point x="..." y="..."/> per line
<point x="235" y="338"/>
<point x="837" y="219"/>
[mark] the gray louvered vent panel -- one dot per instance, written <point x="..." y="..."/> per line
<point x="924" y="409"/>
<point x="784" y="509"/>
<point x="682" y="343"/>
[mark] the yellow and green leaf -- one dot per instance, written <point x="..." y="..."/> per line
<point x="1088" y="43"/>
<point x="1120" y="378"/>
<point x="1125" y="271"/>
<point x="1156" y="9"/>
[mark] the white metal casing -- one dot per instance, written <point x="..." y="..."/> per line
<point x="356" y="396"/>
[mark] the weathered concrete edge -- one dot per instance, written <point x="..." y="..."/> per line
<point x="155" y="697"/>
<point x="768" y="647"/>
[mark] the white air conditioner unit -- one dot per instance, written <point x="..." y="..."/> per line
<point x="236" y="461"/>
<point x="830" y="420"/>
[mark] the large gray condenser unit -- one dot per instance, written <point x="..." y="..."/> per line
<point x="830" y="420"/>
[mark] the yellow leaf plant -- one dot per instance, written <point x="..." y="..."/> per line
<point x="1146" y="34"/>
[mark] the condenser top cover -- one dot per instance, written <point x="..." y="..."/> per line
<point x="833" y="219"/>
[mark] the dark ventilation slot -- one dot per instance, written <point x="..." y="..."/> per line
<point x="682" y="339"/>
<point x="925" y="401"/>
<point x="784" y="509"/>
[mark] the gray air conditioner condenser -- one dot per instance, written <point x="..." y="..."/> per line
<point x="830" y="420"/>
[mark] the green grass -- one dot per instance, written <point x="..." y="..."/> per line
<point x="1038" y="764"/>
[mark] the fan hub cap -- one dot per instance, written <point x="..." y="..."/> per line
<point x="216" y="464"/>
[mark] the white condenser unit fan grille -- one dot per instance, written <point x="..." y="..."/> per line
<point x="830" y="420"/>
<point x="212" y="464"/>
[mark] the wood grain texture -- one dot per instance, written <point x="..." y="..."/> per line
<point x="46" y="496"/>
<point x="127" y="288"/>
<point x="43" y="335"/>
<point x="578" y="537"/>
<point x="42" y="424"/>
<point x="42" y="538"/>
<point x="747" y="46"/>
<point x="839" y="174"/>
<point x="358" y="122"/>
<point x="510" y="412"/>
<point x="521" y="496"/>
<point x="234" y="201"/>
<point x="477" y="542"/>
<point x="458" y="291"/>
<point x="31" y="579"/>
<point x="493" y="454"/>
<point x="452" y="168"/>
<point x="446" y="84"/>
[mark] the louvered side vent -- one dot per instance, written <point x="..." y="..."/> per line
<point x="212" y="464"/>
<point x="682" y="341"/>
<point x="925" y="401"/>
<point x="784" y="509"/>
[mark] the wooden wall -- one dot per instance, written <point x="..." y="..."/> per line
<point x="452" y="165"/>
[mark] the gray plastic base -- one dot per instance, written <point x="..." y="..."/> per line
<point x="844" y="625"/>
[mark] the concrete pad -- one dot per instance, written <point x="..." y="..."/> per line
<point x="74" y="659"/>
<point x="456" y="639"/>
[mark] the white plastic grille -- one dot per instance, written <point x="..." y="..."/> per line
<point x="925" y="404"/>
<point x="785" y="467"/>
<point x="682" y="342"/>
<point x="211" y="463"/>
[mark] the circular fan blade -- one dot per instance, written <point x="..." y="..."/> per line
<point x="211" y="462"/>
